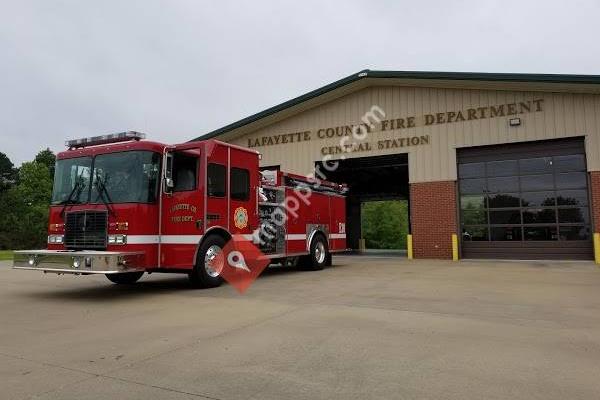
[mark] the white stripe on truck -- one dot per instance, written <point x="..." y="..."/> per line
<point x="195" y="239"/>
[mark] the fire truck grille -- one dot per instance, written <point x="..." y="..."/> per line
<point x="86" y="230"/>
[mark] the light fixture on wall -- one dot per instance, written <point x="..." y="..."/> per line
<point x="514" y="121"/>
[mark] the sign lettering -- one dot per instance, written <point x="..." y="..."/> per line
<point x="394" y="124"/>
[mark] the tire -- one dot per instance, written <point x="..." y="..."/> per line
<point x="319" y="254"/>
<point x="203" y="275"/>
<point x="126" y="278"/>
<point x="290" y="262"/>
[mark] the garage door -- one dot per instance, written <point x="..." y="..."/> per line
<point x="525" y="201"/>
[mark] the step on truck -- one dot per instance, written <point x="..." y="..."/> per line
<point x="122" y="206"/>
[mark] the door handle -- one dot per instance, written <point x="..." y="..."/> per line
<point x="213" y="217"/>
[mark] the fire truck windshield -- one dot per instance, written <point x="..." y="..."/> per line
<point x="125" y="177"/>
<point x="72" y="180"/>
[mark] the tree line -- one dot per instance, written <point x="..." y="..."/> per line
<point x="25" y="194"/>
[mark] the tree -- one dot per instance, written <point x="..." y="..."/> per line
<point x="385" y="224"/>
<point x="7" y="172"/>
<point x="25" y="221"/>
<point x="48" y="158"/>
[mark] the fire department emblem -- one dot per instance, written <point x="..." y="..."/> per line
<point x="240" y="217"/>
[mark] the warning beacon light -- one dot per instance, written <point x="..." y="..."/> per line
<point x="105" y="139"/>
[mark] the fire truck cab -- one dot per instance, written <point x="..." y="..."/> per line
<point x="122" y="206"/>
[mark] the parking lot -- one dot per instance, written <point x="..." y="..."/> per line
<point x="369" y="327"/>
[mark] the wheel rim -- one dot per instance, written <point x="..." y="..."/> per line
<point x="320" y="252"/>
<point x="213" y="261"/>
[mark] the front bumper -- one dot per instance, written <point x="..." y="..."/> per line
<point x="79" y="262"/>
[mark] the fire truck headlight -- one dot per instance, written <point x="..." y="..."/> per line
<point x="31" y="260"/>
<point x="76" y="262"/>
<point x="55" y="239"/>
<point x="117" y="239"/>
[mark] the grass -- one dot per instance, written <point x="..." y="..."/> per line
<point x="6" y="255"/>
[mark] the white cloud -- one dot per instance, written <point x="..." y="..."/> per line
<point x="177" y="70"/>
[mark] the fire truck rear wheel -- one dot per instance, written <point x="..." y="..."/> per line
<point x="319" y="254"/>
<point x="127" y="278"/>
<point x="209" y="263"/>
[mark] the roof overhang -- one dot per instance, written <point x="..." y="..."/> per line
<point x="450" y="80"/>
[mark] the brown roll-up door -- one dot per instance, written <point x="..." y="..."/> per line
<point x="525" y="201"/>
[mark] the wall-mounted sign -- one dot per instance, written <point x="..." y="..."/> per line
<point x="384" y="144"/>
<point x="407" y="122"/>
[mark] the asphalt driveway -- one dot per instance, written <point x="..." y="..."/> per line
<point x="369" y="327"/>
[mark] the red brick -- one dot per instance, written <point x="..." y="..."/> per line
<point x="433" y="218"/>
<point x="595" y="193"/>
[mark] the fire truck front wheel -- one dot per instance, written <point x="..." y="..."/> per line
<point x="206" y="272"/>
<point x="126" y="278"/>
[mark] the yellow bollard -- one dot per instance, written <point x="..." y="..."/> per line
<point x="361" y="245"/>
<point x="409" y="247"/>
<point x="454" y="247"/>
<point x="597" y="247"/>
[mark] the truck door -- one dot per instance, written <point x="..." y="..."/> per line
<point x="216" y="158"/>
<point x="182" y="208"/>
<point x="243" y="186"/>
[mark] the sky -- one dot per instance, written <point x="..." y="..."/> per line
<point x="179" y="69"/>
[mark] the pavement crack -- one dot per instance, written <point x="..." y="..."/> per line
<point x="106" y="374"/>
<point x="218" y="335"/>
<point x="47" y="364"/>
<point x="168" y="389"/>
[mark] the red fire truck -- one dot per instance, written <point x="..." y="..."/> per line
<point x="122" y="206"/>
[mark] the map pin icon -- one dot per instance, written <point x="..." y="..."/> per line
<point x="236" y="260"/>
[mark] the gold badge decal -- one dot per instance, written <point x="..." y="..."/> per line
<point x="240" y="217"/>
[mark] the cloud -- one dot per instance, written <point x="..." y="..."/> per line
<point x="178" y="69"/>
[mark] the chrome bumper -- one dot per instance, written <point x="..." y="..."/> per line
<point x="79" y="262"/>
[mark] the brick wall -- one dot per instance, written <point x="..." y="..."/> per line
<point x="595" y="206"/>
<point x="433" y="218"/>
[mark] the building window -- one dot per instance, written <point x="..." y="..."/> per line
<point x="216" y="175"/>
<point x="240" y="184"/>
<point x="528" y="199"/>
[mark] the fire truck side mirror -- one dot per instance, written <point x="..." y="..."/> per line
<point x="169" y="184"/>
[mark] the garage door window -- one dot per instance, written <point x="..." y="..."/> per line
<point x="527" y="199"/>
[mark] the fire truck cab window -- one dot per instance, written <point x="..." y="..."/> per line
<point x="240" y="184"/>
<point x="185" y="169"/>
<point x="216" y="174"/>
<point x="72" y="180"/>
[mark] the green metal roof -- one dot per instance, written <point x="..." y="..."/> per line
<point x="459" y="76"/>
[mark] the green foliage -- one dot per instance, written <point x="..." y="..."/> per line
<point x="385" y="224"/>
<point x="7" y="173"/>
<point x="24" y="221"/>
<point x="6" y="255"/>
<point x="47" y="158"/>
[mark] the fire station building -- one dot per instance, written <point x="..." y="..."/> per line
<point x="509" y="163"/>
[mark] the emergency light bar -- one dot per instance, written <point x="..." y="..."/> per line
<point x="105" y="139"/>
